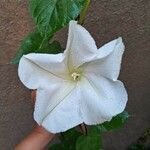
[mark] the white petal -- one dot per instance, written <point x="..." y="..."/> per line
<point x="102" y="99"/>
<point x="61" y="118"/>
<point x="38" y="70"/>
<point x="108" y="61"/>
<point x="81" y="46"/>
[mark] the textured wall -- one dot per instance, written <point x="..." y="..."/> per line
<point x="106" y="20"/>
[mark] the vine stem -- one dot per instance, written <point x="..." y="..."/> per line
<point x="83" y="12"/>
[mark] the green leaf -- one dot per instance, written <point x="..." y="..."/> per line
<point x="57" y="147"/>
<point x="116" y="122"/>
<point x="137" y="147"/>
<point x="16" y="59"/>
<point x="52" y="15"/>
<point x="35" y="43"/>
<point x="93" y="130"/>
<point x="89" y="142"/>
<point x="70" y="136"/>
<point x="92" y="141"/>
<point x="68" y="140"/>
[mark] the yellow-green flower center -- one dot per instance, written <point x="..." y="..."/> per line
<point x="76" y="76"/>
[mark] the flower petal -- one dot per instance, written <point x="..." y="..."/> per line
<point x="37" y="70"/>
<point x="102" y="99"/>
<point x="64" y="116"/>
<point x="108" y="61"/>
<point x="81" y="46"/>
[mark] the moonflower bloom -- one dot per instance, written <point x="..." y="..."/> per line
<point x="77" y="86"/>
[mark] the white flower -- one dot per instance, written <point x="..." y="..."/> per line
<point x="79" y="85"/>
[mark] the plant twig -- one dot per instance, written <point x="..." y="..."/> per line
<point x="83" y="13"/>
<point x="83" y="128"/>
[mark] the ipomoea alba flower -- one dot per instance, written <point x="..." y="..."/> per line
<point x="79" y="85"/>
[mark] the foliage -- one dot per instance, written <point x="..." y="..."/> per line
<point x="68" y="140"/>
<point x="52" y="15"/>
<point x="74" y="140"/>
<point x="49" y="16"/>
<point x="89" y="142"/>
<point x="35" y="43"/>
<point x="115" y="123"/>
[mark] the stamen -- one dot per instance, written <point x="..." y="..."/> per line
<point x="75" y="76"/>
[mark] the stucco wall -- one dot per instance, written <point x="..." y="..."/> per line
<point x="106" y="20"/>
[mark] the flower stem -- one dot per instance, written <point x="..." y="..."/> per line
<point x="83" y="128"/>
<point x="83" y="12"/>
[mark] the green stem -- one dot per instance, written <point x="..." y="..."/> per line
<point x="83" y="12"/>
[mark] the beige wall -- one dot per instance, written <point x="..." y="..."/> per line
<point x="106" y="20"/>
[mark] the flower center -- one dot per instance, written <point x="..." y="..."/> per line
<point x="75" y="76"/>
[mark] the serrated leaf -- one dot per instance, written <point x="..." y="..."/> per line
<point x="52" y="15"/>
<point x="35" y="43"/>
<point x="116" y="122"/>
<point x="89" y="142"/>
